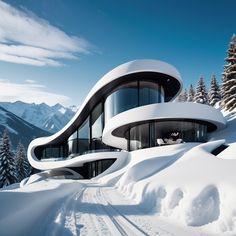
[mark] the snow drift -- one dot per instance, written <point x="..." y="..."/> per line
<point x="184" y="184"/>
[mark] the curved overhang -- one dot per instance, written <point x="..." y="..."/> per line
<point x="162" y="111"/>
<point x="103" y="87"/>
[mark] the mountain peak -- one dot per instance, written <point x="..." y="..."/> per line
<point x="41" y="115"/>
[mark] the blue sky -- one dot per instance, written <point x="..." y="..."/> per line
<point x="55" y="51"/>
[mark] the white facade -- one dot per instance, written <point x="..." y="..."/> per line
<point x="132" y="97"/>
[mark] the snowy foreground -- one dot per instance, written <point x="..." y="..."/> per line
<point x="66" y="207"/>
<point x="181" y="190"/>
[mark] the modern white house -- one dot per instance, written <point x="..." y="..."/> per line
<point x="130" y="109"/>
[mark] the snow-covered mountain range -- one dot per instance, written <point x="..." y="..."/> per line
<point x="49" y="118"/>
<point x="19" y="129"/>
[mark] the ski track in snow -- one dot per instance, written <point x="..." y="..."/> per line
<point x="90" y="211"/>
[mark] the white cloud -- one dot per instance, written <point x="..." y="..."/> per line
<point x="28" y="39"/>
<point x="30" y="81"/>
<point x="29" y="92"/>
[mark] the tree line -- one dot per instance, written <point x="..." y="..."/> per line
<point x="14" y="167"/>
<point x="225" y="93"/>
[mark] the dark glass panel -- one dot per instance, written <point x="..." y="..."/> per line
<point x="139" y="137"/>
<point x="97" y="128"/>
<point x="132" y="94"/>
<point x="84" y="137"/>
<point x="51" y="151"/>
<point x="148" y="93"/>
<point x="124" y="98"/>
<point x="92" y="169"/>
<point x="161" y="94"/>
<point x="171" y="132"/>
<point x="166" y="132"/>
<point x="73" y="143"/>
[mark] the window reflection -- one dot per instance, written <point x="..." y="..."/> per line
<point x="97" y="121"/>
<point x="158" y="133"/>
<point x="73" y="143"/>
<point x="124" y="98"/>
<point x="131" y="95"/>
<point x="84" y="137"/>
<point x="149" y="93"/>
<point x="139" y="137"/>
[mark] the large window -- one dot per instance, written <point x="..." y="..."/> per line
<point x="84" y="137"/>
<point x="139" y="137"/>
<point x="73" y="143"/>
<point x="124" y="98"/>
<point x="97" y="121"/>
<point x="149" y="93"/>
<point x="132" y="94"/>
<point x="158" y="133"/>
<point x="52" y="151"/>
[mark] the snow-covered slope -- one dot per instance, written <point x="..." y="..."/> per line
<point x="185" y="184"/>
<point x="49" y="118"/>
<point x="19" y="129"/>
<point x="180" y="190"/>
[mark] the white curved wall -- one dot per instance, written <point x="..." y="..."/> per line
<point x="148" y="112"/>
<point x="175" y="110"/>
<point x="120" y="71"/>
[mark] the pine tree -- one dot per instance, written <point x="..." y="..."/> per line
<point x="201" y="93"/>
<point x="183" y="96"/>
<point x="228" y="88"/>
<point x="191" y="94"/>
<point x="22" y="164"/>
<point x="214" y="93"/>
<point x="7" y="162"/>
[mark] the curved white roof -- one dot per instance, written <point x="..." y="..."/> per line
<point x="118" y="72"/>
<point x="154" y="111"/>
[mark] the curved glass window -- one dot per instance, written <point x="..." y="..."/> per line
<point x="149" y="93"/>
<point x="52" y="151"/>
<point x="72" y="143"/>
<point x="84" y="137"/>
<point x="158" y="133"/>
<point x="139" y="137"/>
<point x="132" y="94"/>
<point x="124" y="98"/>
<point x="97" y="121"/>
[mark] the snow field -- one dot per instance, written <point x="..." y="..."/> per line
<point x="24" y="211"/>
<point x="178" y="190"/>
<point x="196" y="189"/>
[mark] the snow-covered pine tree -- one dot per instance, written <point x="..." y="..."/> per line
<point x="183" y="96"/>
<point x="191" y="94"/>
<point x="201" y="93"/>
<point x="22" y="164"/>
<point x="7" y="162"/>
<point x="214" y="92"/>
<point x="228" y="88"/>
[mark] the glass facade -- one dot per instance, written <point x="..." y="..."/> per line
<point x="131" y="95"/>
<point x="158" y="133"/>
<point x="149" y="93"/>
<point x="94" y="168"/>
<point x="84" y="137"/>
<point x="52" y="151"/>
<point x="73" y="143"/>
<point x="124" y="98"/>
<point x="139" y="137"/>
<point x="88" y="136"/>
<point x="97" y="123"/>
